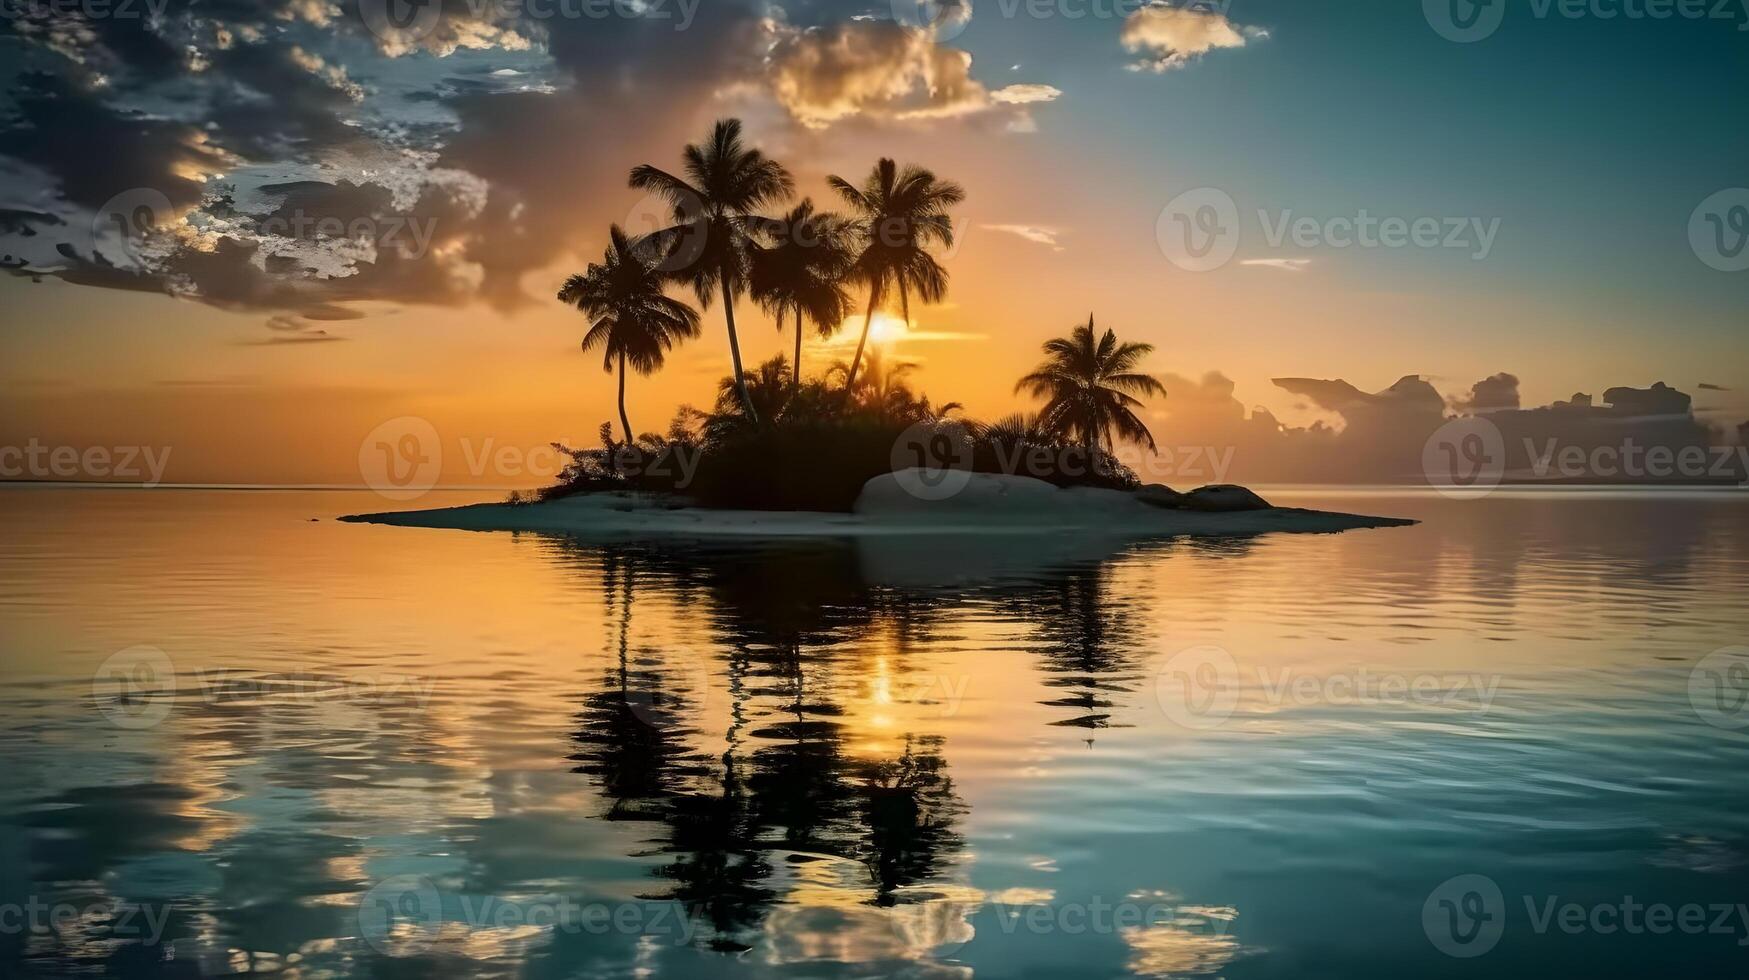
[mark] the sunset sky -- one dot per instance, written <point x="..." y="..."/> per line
<point x="1586" y="143"/>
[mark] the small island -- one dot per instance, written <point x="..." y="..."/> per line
<point x="854" y="451"/>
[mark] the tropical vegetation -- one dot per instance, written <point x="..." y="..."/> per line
<point x="775" y="438"/>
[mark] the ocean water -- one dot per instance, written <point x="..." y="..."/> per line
<point x="237" y="735"/>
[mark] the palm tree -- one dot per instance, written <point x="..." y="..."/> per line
<point x="714" y="210"/>
<point x="631" y="319"/>
<point x="900" y="213"/>
<point x="766" y="388"/>
<point x="1091" y="388"/>
<point x="802" y="273"/>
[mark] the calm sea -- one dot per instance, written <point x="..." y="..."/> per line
<point x="1511" y="741"/>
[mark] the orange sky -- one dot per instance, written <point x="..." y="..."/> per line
<point x="104" y="367"/>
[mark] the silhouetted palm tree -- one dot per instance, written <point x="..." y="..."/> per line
<point x="802" y="272"/>
<point x="1091" y="388"/>
<point x="715" y="212"/>
<point x="631" y="319"/>
<point x="765" y="390"/>
<point x="899" y="214"/>
<point x="886" y="391"/>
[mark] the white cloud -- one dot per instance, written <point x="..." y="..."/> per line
<point x="1171" y="37"/>
<point x="1026" y="93"/>
<point x="1038" y="234"/>
<point x="882" y="70"/>
<point x="1285" y="265"/>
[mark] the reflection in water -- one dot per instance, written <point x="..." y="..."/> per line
<point x="904" y="757"/>
<point x="784" y="790"/>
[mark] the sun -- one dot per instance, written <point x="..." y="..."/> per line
<point x="886" y="328"/>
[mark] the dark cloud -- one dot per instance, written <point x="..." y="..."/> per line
<point x="1491" y="394"/>
<point x="503" y="141"/>
<point x="96" y="152"/>
<point x="15" y="221"/>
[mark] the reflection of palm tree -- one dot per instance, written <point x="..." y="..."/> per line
<point x="631" y="736"/>
<point x="785" y="783"/>
<point x="714" y="210"/>
<point x="899" y="214"/>
<point x="1091" y="386"/>
<point x="1087" y="644"/>
<point x="718" y="862"/>
<point x="908" y="809"/>
<point x="630" y="318"/>
<point x="802" y="273"/>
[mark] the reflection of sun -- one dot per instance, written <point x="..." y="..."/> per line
<point x="883" y="330"/>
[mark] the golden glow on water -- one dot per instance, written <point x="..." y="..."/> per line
<point x="837" y="754"/>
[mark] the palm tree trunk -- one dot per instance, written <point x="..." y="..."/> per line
<point x="874" y="295"/>
<point x="735" y="352"/>
<point x="623" y="421"/>
<point x="796" y="378"/>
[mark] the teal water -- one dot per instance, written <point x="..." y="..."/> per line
<point x="1509" y="741"/>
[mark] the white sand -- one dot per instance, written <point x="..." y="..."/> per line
<point x="988" y="505"/>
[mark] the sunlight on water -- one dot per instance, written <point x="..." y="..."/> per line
<point x="240" y="735"/>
